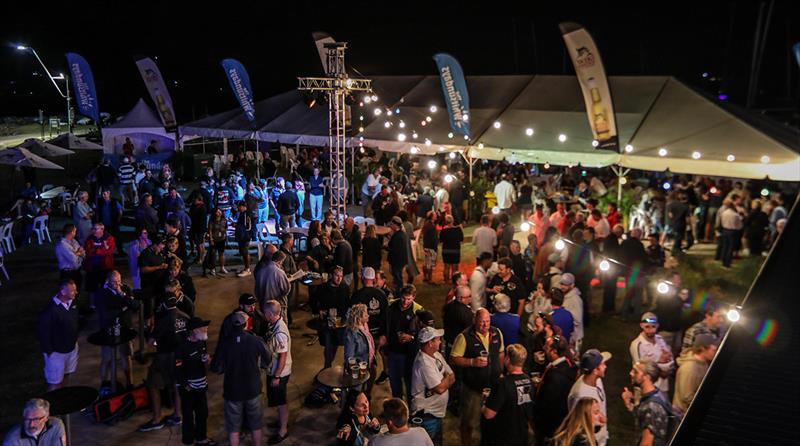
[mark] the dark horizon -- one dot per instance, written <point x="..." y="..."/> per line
<point x="276" y="47"/>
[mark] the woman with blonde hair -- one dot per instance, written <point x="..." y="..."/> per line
<point x="579" y="426"/>
<point x="358" y="341"/>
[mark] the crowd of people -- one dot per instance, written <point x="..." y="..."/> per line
<point x="510" y="358"/>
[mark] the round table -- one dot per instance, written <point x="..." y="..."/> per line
<point x="105" y="339"/>
<point x="379" y="230"/>
<point x="67" y="400"/>
<point x="335" y="377"/>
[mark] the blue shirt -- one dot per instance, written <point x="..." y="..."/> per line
<point x="508" y="324"/>
<point x="563" y="319"/>
<point x="316" y="184"/>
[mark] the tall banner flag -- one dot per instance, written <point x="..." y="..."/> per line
<point x="796" y="49"/>
<point x="594" y="84"/>
<point x="83" y="85"/>
<point x="240" y="84"/>
<point x="158" y="91"/>
<point x="455" y="92"/>
<point x="320" y="39"/>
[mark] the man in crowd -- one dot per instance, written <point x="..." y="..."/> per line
<point x="506" y="194"/>
<point x="712" y="324"/>
<point x="678" y="218"/>
<point x="352" y="234"/>
<point x="732" y="223"/>
<point x="376" y="303"/>
<point x="37" y="428"/>
<point x="109" y="213"/>
<point x="431" y="377"/>
<point x="115" y="304"/>
<point x="343" y="255"/>
<point x="652" y="347"/>
<point x="279" y="346"/>
<point x="480" y="352"/>
<point x="484" y="238"/>
<point x="669" y="310"/>
<point x="243" y="233"/>
<point x="70" y="255"/>
<point x="256" y="323"/>
<point x="271" y="282"/>
<point x="191" y="359"/>
<point x="395" y="411"/>
<point x="240" y="358"/>
<point x="651" y="414"/>
<point x="590" y="385"/>
<point x="552" y="392"/>
<point x="398" y="252"/>
<point x="574" y="304"/>
<point x="58" y="335"/>
<point x="99" y="248"/>
<point x="611" y="250"/>
<point x="506" y="282"/>
<point x="692" y="370"/>
<point x="127" y="187"/>
<point x="508" y="409"/>
<point x="152" y="270"/>
<point x="635" y="258"/>
<point x="478" y="280"/>
<point x="401" y="335"/>
<point x="147" y="216"/>
<point x="370" y="189"/>
<point x="287" y="206"/>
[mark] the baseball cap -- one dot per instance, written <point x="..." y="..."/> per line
<point x="239" y="318"/>
<point x="567" y="279"/>
<point x="429" y="333"/>
<point x="170" y="301"/>
<point x="196" y="322"/>
<point x="369" y="273"/>
<point x="704" y="340"/>
<point x="247" y="299"/>
<point x="554" y="257"/>
<point x="593" y="358"/>
<point x="425" y="318"/>
<point x="649" y="318"/>
<point x="397" y="220"/>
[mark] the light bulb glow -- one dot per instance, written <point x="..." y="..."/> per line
<point x="423" y="123"/>
<point x="605" y="265"/>
<point x="529" y="131"/>
<point x="448" y="178"/>
<point x="465" y="117"/>
<point x="696" y="155"/>
<point x="733" y="315"/>
<point x="525" y="226"/>
<point x="731" y="158"/>
<point x="414" y="135"/>
<point x="713" y="190"/>
<point x="765" y="159"/>
<point x="375" y="97"/>
<point x="662" y="287"/>
<point x="386" y="124"/>
<point x="389" y="113"/>
<point x="546" y="166"/>
<point x="595" y="143"/>
<point x="401" y="137"/>
<point x="361" y="149"/>
<point x="367" y="99"/>
<point x="428" y="118"/>
<point x="378" y="112"/>
<point x="402" y="125"/>
<point x="428" y="142"/>
<point x="628" y="148"/>
<point x="765" y="192"/>
<point x="562" y="137"/>
<point x="466" y="137"/>
<point x="452" y="154"/>
<point x="495" y="210"/>
<point x="433" y="109"/>
<point x="450" y="135"/>
<point x="480" y="145"/>
<point x="662" y="152"/>
<point x="431" y="164"/>
<point x="497" y="124"/>
<point x="560" y="245"/>
<point x="361" y="129"/>
<point x="667" y="186"/>
<point x="414" y="150"/>
<point x="623" y="180"/>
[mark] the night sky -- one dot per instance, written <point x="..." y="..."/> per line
<point x="275" y="45"/>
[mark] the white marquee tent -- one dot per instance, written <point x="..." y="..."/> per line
<point x="141" y="125"/>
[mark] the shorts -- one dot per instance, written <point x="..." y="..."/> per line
<point x="244" y="247"/>
<point x="430" y="258"/>
<point x="219" y="247"/>
<point x="249" y="411"/>
<point x="469" y="406"/>
<point x="276" y="396"/>
<point x="123" y="350"/>
<point x="161" y="373"/>
<point x="198" y="238"/>
<point x="56" y="365"/>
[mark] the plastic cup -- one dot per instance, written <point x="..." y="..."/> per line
<point x="354" y="371"/>
<point x="362" y="369"/>
<point x="417" y="421"/>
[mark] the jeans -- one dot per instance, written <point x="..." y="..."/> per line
<point x="433" y="426"/>
<point x="726" y="244"/>
<point x="632" y="305"/>
<point x="609" y="291"/>
<point x="399" y="371"/>
<point x="263" y="215"/>
<point x="397" y="276"/>
<point x="330" y="342"/>
<point x="316" y="206"/>
<point x="194" y="411"/>
<point x="679" y="234"/>
<point x="301" y="197"/>
<point x="287" y="221"/>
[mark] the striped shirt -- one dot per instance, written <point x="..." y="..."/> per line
<point x="126" y="173"/>
<point x="190" y="360"/>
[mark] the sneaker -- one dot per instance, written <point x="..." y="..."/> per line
<point x="244" y="273"/>
<point x="151" y="425"/>
<point x="206" y="442"/>
<point x="277" y="438"/>
<point x="213" y="273"/>
<point x="382" y="378"/>
<point x="223" y="270"/>
<point x="172" y="420"/>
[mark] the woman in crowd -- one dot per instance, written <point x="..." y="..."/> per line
<point x="199" y="227"/>
<point x="355" y="425"/>
<point x="217" y="237"/>
<point x="135" y="249"/>
<point x="540" y="327"/>
<point x="451" y="237"/>
<point x="579" y="426"/>
<point x="82" y="215"/>
<point x="358" y="341"/>
<point x="430" y="245"/>
<point x="371" y="248"/>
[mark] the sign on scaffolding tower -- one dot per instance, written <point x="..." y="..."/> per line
<point x="337" y="87"/>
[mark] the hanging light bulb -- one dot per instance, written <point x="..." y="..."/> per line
<point x="734" y="315"/>
<point x="604" y="265"/>
<point x="433" y="109"/>
<point x="361" y="149"/>
<point x="628" y="148"/>
<point x="414" y="150"/>
<point x="560" y="245"/>
<point x="450" y="135"/>
<point x="662" y="152"/>
<point x="441" y="148"/>
<point x="361" y="129"/>
<point x="525" y="226"/>
<point x="529" y="131"/>
<point x="623" y="180"/>
<point x="765" y="159"/>
<point x="666" y="185"/>
<point x="402" y="125"/>
<point x="497" y="124"/>
<point x="375" y="97"/>
<point x="562" y="137"/>
<point x="465" y="117"/>
<point x="423" y="123"/>
<point x="387" y="124"/>
<point x="361" y="117"/>
<point x="414" y="135"/>
<point x="546" y="166"/>
<point x="480" y="145"/>
<point x="367" y="99"/>
<point x="389" y="113"/>
<point x="466" y="137"/>
<point x="448" y="178"/>
<point x="731" y="158"/>
<point x="452" y="154"/>
<point x="696" y="155"/>
<point x="401" y="137"/>
<point x="397" y="111"/>
<point x="428" y="118"/>
<point x="431" y="164"/>
<point x="765" y="192"/>
<point x="595" y="143"/>
<point x="495" y="210"/>
<point x="428" y="142"/>
<point x="662" y="287"/>
<point x="378" y="111"/>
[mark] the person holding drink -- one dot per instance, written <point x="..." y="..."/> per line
<point x="359" y="346"/>
<point x="480" y="352"/>
<point x="401" y="347"/>
<point x="355" y="424"/>
<point x="330" y="302"/>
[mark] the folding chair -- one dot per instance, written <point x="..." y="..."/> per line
<point x="40" y="228"/>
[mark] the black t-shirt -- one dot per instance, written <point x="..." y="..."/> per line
<point x="169" y="327"/>
<point x="376" y="303"/>
<point x="190" y="366"/>
<point x="512" y="398"/>
<point x="513" y="288"/>
<point x="679" y="211"/>
<point x="148" y="257"/>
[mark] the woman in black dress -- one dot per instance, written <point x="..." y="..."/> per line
<point x="451" y="237"/>
<point x="371" y="248"/>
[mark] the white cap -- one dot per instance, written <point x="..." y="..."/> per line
<point x="428" y="333"/>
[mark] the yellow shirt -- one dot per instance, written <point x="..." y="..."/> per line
<point x="460" y="344"/>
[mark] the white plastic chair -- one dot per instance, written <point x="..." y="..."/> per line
<point x="40" y="228"/>
<point x="6" y="239"/>
<point x="358" y="220"/>
<point x="3" y="267"/>
<point x="67" y="200"/>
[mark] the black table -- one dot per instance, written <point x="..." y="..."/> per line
<point x="67" y="400"/>
<point x="105" y="339"/>
<point x="336" y="378"/>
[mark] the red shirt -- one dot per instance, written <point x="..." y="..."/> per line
<point x="99" y="253"/>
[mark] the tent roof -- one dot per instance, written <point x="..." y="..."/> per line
<point x="140" y="116"/>
<point x="652" y="112"/>
<point x="72" y="142"/>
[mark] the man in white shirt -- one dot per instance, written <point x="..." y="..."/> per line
<point x="652" y="347"/>
<point x="478" y="281"/>
<point x="369" y="190"/>
<point x="590" y="385"/>
<point x="431" y="378"/>
<point x="70" y="256"/>
<point x="599" y="223"/>
<point x="574" y="304"/>
<point x="279" y="345"/>
<point x="484" y="238"/>
<point x="505" y="193"/>
<point x="395" y="412"/>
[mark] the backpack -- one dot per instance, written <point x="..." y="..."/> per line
<point x="673" y="418"/>
<point x="320" y="396"/>
<point x="119" y="407"/>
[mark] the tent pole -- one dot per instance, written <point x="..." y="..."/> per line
<point x="258" y="167"/>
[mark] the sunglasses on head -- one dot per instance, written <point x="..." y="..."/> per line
<point x="650" y="320"/>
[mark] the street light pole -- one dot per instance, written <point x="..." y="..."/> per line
<point x="53" y="80"/>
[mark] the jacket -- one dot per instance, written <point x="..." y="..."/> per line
<point x="356" y="345"/>
<point x="58" y="328"/>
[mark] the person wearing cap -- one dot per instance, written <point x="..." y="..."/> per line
<point x="431" y="377"/>
<point x="287" y="206"/>
<point x="255" y="323"/>
<point x="712" y="324"/>
<point x="552" y="393"/>
<point x="376" y="303"/>
<point x="651" y="414"/>
<point x="508" y="409"/>
<point x="398" y="251"/>
<point x="651" y="346"/>
<point x="244" y="235"/>
<point x="574" y="304"/>
<point x="692" y="370"/>
<point x="508" y="323"/>
<point x="240" y="357"/>
<point x="191" y="359"/>
<point x="169" y="328"/>
<point x="479" y="351"/>
<point x="279" y="346"/>
<point x="590" y="385"/>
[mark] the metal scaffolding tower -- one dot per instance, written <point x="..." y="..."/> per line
<point x="337" y="87"/>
